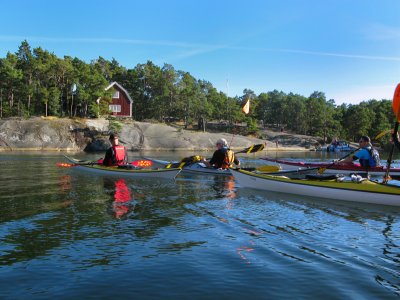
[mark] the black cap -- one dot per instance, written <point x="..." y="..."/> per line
<point x="113" y="136"/>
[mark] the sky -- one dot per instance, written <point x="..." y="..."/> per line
<point x="347" y="49"/>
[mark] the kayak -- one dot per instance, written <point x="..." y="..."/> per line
<point x="365" y="191"/>
<point x="124" y="170"/>
<point x="193" y="168"/>
<point x="334" y="169"/>
<point x="200" y="168"/>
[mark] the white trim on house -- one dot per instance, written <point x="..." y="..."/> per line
<point x="120" y="86"/>
<point x="115" y="108"/>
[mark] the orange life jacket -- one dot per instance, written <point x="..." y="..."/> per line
<point x="228" y="160"/>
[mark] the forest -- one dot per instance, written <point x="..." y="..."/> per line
<point x="35" y="82"/>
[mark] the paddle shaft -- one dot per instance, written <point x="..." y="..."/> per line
<point x="347" y="155"/>
<point x="389" y="160"/>
<point x="396" y="110"/>
<point x="251" y="149"/>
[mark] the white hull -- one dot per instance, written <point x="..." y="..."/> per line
<point x="365" y="192"/>
<point x="197" y="168"/>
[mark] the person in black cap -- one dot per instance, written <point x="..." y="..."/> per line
<point x="116" y="154"/>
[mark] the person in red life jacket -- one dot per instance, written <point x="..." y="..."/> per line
<point x="116" y="154"/>
<point x="223" y="157"/>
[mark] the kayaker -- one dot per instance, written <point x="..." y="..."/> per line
<point x="223" y="157"/>
<point x="367" y="155"/>
<point x="116" y="154"/>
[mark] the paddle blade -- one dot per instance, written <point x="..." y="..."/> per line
<point x="253" y="149"/>
<point x="142" y="163"/>
<point x="269" y="169"/>
<point x="382" y="134"/>
<point x="65" y="165"/>
<point x="396" y="103"/>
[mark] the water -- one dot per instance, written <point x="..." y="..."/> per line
<point x="70" y="235"/>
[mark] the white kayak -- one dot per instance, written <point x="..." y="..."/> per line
<point x="331" y="168"/>
<point x="126" y="171"/>
<point x="193" y="168"/>
<point x="202" y="169"/>
<point x="365" y="191"/>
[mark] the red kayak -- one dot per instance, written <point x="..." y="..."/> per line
<point x="331" y="168"/>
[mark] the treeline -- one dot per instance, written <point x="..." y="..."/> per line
<point x="35" y="82"/>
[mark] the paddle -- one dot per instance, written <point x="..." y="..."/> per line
<point x="68" y="165"/>
<point x="379" y="135"/>
<point x="263" y="169"/>
<point x="252" y="149"/>
<point x="184" y="162"/>
<point x="322" y="170"/>
<point x="142" y="163"/>
<point x="396" y="110"/>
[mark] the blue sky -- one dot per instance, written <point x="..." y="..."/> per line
<point x="348" y="49"/>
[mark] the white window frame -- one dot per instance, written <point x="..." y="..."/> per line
<point x="116" y="95"/>
<point x="115" y="108"/>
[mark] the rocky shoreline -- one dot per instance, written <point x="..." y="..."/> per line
<point x="91" y="135"/>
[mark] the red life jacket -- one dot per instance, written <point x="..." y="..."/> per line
<point x="118" y="156"/>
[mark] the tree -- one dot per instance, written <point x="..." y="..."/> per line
<point x="357" y="121"/>
<point x="316" y="114"/>
<point x="27" y="64"/>
<point x="11" y="80"/>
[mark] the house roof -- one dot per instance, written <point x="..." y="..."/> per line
<point x="121" y="88"/>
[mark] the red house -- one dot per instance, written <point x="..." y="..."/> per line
<point x="121" y="104"/>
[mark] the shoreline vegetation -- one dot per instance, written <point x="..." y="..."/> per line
<point x="91" y="135"/>
<point x="36" y="82"/>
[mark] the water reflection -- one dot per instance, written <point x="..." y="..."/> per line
<point x="121" y="204"/>
<point x="203" y="232"/>
<point x="391" y="253"/>
<point x="224" y="186"/>
<point x="65" y="183"/>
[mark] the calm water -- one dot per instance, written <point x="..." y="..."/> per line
<point x="71" y="235"/>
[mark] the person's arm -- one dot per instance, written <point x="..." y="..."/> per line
<point x="213" y="159"/>
<point x="107" y="157"/>
<point x="126" y="160"/>
<point x="236" y="161"/>
<point x="347" y="160"/>
<point x="217" y="159"/>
